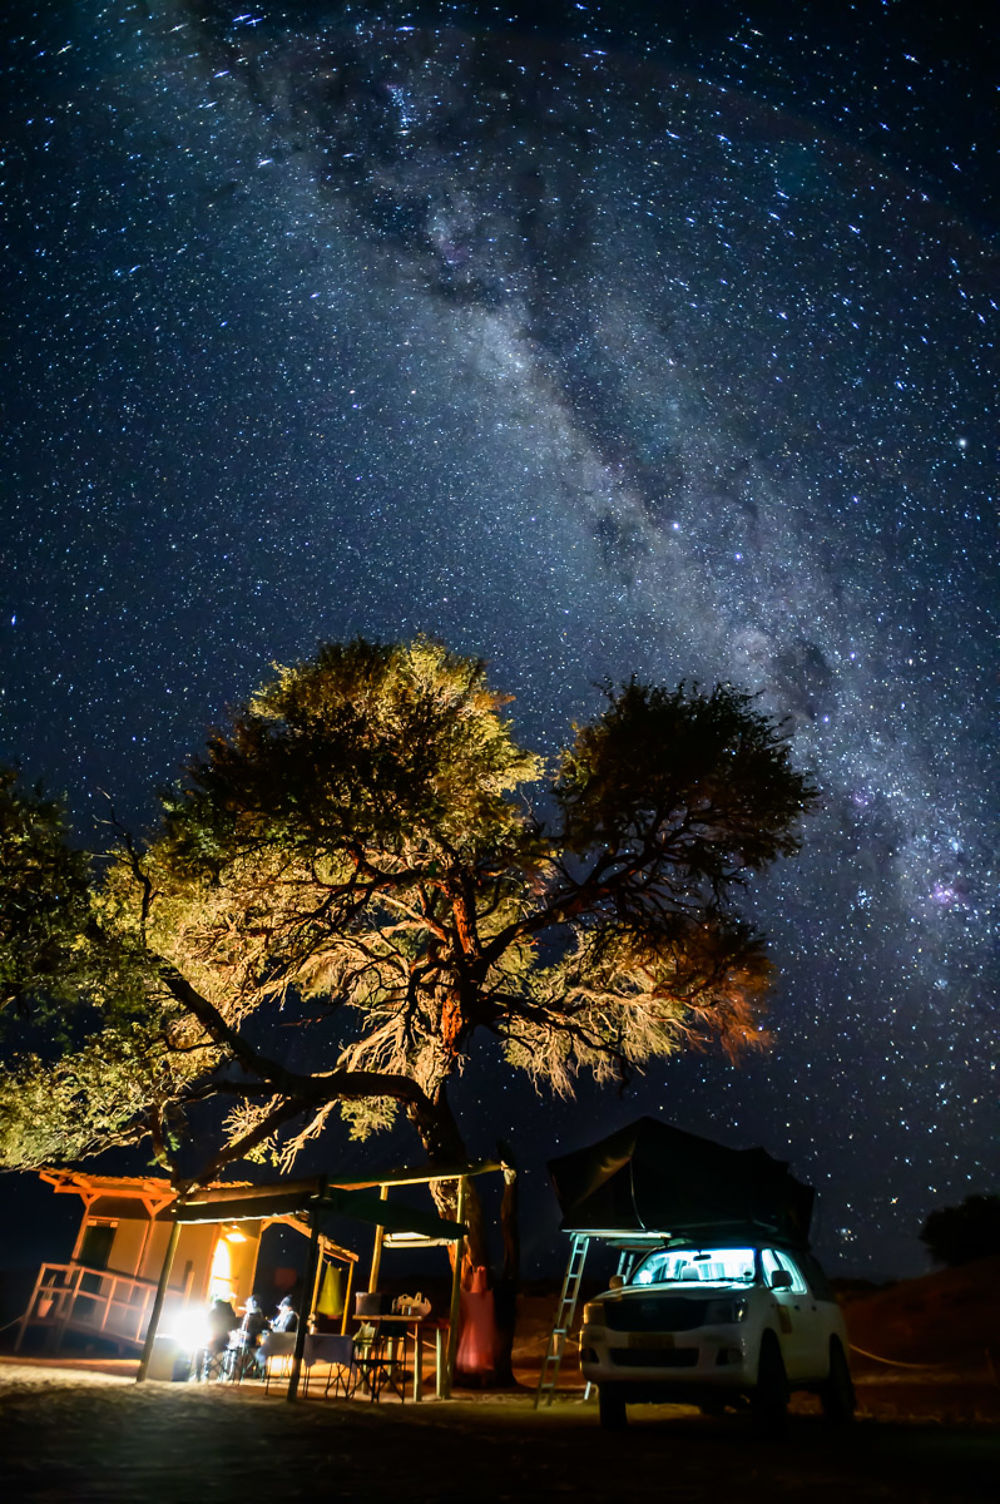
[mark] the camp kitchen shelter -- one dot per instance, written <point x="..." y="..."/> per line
<point x="651" y="1182"/>
<point x="142" y="1254"/>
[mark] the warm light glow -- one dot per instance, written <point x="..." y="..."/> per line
<point x="221" y="1284"/>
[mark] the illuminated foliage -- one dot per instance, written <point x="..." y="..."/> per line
<point x="43" y="900"/>
<point x="367" y="854"/>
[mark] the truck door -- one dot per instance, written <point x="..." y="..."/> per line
<point x="796" y="1321"/>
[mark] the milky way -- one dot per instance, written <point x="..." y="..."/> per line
<point x="587" y="363"/>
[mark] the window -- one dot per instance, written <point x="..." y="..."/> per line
<point x="771" y="1260"/>
<point x="690" y="1265"/>
<point x="818" y="1282"/>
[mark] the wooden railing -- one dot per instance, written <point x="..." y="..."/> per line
<point x="111" y="1305"/>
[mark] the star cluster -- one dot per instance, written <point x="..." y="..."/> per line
<point x="591" y="348"/>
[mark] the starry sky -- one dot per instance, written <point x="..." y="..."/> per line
<point x="592" y="339"/>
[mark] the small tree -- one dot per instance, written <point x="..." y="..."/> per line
<point x="357" y="853"/>
<point x="955" y="1235"/>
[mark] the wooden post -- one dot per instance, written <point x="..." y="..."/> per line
<point x="161" y="1291"/>
<point x="29" y="1309"/>
<point x="345" y="1314"/>
<point x="456" y="1296"/>
<point x="439" y="1361"/>
<point x="66" y="1307"/>
<point x="373" y="1275"/>
<point x="308" y="1284"/>
<point x="317" y="1281"/>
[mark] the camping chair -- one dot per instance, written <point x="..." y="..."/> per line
<point x="276" y="1353"/>
<point x="380" y="1359"/>
<point x="336" y="1354"/>
<point x="209" y="1364"/>
<point x="240" y="1359"/>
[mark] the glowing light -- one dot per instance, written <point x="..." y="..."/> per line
<point x="191" y="1331"/>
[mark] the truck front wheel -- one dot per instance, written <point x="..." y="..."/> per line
<point x="769" y="1402"/>
<point x="611" y="1408"/>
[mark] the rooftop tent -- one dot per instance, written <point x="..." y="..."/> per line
<point x="652" y="1178"/>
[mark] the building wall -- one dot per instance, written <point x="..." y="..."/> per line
<point x="139" y="1248"/>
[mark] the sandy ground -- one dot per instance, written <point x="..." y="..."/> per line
<point x="72" y="1433"/>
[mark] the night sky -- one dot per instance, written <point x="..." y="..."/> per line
<point x="591" y="343"/>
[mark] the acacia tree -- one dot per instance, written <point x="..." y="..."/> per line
<point x="366" y="849"/>
<point x="956" y="1235"/>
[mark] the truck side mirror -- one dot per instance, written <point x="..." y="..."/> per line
<point x="780" y="1280"/>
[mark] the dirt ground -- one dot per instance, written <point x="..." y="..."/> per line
<point x="74" y="1434"/>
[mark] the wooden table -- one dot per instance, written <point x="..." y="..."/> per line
<point x="335" y="1353"/>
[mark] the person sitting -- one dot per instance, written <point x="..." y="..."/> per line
<point x="254" y="1323"/>
<point x="286" y="1320"/>
<point x="221" y="1321"/>
<point x="242" y="1360"/>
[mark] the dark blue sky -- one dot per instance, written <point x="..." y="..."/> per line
<point x="590" y="342"/>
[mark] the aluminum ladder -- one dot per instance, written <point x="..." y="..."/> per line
<point x="568" y="1298"/>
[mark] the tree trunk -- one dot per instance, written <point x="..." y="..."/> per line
<point x="442" y="1141"/>
<point x="443" y="1144"/>
<point x="508" y="1282"/>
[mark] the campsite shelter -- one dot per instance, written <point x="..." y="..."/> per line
<point x="650" y="1182"/>
<point x="143" y="1255"/>
<point x="107" y="1287"/>
<point x="311" y="1203"/>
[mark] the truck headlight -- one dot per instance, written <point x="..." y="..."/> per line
<point x="725" y="1312"/>
<point x="593" y="1313"/>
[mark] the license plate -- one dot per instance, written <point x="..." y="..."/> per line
<point x="651" y="1341"/>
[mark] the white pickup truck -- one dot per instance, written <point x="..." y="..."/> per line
<point x="717" y="1327"/>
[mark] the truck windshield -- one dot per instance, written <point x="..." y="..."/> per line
<point x="689" y="1265"/>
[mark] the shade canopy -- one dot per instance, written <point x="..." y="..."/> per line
<point x="651" y="1178"/>
<point x="313" y="1198"/>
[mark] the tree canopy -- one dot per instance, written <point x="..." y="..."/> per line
<point x="367" y="853"/>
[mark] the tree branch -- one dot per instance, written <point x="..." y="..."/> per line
<point x="324" y="1087"/>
